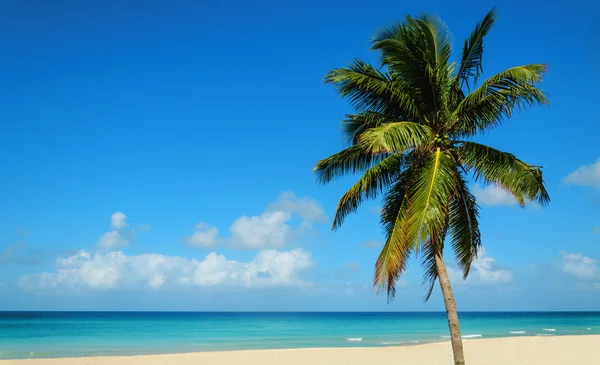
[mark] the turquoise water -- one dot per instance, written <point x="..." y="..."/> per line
<point x="65" y="334"/>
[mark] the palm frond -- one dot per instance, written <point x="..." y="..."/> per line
<point x="463" y="216"/>
<point x="522" y="180"/>
<point x="472" y="54"/>
<point x="432" y="247"/>
<point x="497" y="98"/>
<point x="392" y="260"/>
<point x="395" y="137"/>
<point x="438" y="40"/>
<point x="430" y="197"/>
<point x="372" y="182"/>
<point x="403" y="52"/>
<point x="356" y="124"/>
<point x="369" y="89"/>
<point x="351" y="160"/>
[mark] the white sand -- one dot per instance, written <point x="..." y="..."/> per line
<point x="559" y="350"/>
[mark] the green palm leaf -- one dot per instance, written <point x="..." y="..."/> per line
<point x="522" y="180"/>
<point x="356" y="124"/>
<point x="429" y="198"/>
<point x="395" y="137"/>
<point x="369" y="89"/>
<point x="472" y="54"/>
<point x="432" y="247"/>
<point x="417" y="51"/>
<point x="463" y="225"/>
<point x="392" y="260"/>
<point x="373" y="181"/>
<point x="497" y="98"/>
<point x="351" y="160"/>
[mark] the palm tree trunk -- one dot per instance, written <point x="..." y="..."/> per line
<point x="455" y="339"/>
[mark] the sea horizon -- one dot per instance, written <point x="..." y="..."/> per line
<point x="52" y="334"/>
<point x="291" y="311"/>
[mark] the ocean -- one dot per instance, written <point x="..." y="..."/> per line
<point x="69" y="334"/>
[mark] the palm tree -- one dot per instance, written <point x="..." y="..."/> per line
<point x="411" y="138"/>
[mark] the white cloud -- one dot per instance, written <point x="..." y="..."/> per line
<point x="112" y="240"/>
<point x="579" y="266"/>
<point x="484" y="271"/>
<point x="270" y="229"/>
<point x="586" y="175"/>
<point x="119" y="236"/>
<point x="114" y="270"/>
<point x="118" y="221"/>
<point x="205" y="236"/>
<point x="488" y="273"/>
<point x="492" y="195"/>
<point x="307" y="208"/>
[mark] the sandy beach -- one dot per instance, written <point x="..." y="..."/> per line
<point x="563" y="350"/>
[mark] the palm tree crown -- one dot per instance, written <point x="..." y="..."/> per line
<point x="411" y="138"/>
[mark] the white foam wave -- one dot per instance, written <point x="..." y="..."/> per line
<point x="463" y="336"/>
<point x="588" y="328"/>
<point x="472" y="336"/>
<point x="392" y="343"/>
<point x="549" y="329"/>
<point x="354" y="339"/>
<point x="517" y="332"/>
<point x="544" y="334"/>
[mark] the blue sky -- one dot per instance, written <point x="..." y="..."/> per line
<point x="159" y="157"/>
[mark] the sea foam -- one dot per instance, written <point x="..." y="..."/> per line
<point x="463" y="336"/>
<point x="354" y="339"/>
<point x="391" y="343"/>
<point x="472" y="336"/>
<point x="549" y="329"/>
<point x="517" y="332"/>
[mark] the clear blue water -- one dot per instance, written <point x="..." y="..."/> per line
<point x="65" y="334"/>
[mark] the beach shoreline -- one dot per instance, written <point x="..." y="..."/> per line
<point x="526" y="350"/>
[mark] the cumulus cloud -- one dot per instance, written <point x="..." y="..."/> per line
<point x="118" y="221"/>
<point x="268" y="230"/>
<point x="115" y="270"/>
<point x="271" y="229"/>
<point x="580" y="267"/>
<point x="119" y="236"/>
<point x="204" y="236"/>
<point x="488" y="273"/>
<point x="492" y="195"/>
<point x="307" y="208"/>
<point x="484" y="271"/>
<point x="586" y="175"/>
<point x="111" y="240"/>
